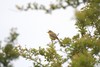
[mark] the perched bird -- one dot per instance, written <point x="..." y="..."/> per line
<point x="53" y="36"/>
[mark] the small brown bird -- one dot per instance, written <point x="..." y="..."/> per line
<point x="53" y="36"/>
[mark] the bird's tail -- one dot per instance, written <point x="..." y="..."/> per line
<point x="59" y="42"/>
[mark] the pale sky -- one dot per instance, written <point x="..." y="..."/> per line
<point x="33" y="25"/>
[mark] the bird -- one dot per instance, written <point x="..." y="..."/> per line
<point x="53" y="36"/>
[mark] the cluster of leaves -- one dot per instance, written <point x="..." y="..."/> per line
<point x="85" y="49"/>
<point x="59" y="4"/>
<point x="89" y="16"/>
<point x="43" y="57"/>
<point x="8" y="53"/>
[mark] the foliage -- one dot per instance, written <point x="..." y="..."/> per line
<point x="60" y="4"/>
<point x="89" y="17"/>
<point x="8" y="53"/>
<point x="43" y="57"/>
<point x="86" y="48"/>
<point x="82" y="50"/>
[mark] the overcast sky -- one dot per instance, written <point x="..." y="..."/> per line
<point x="33" y="25"/>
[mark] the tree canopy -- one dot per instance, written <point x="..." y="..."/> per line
<point x="8" y="52"/>
<point x="82" y="50"/>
